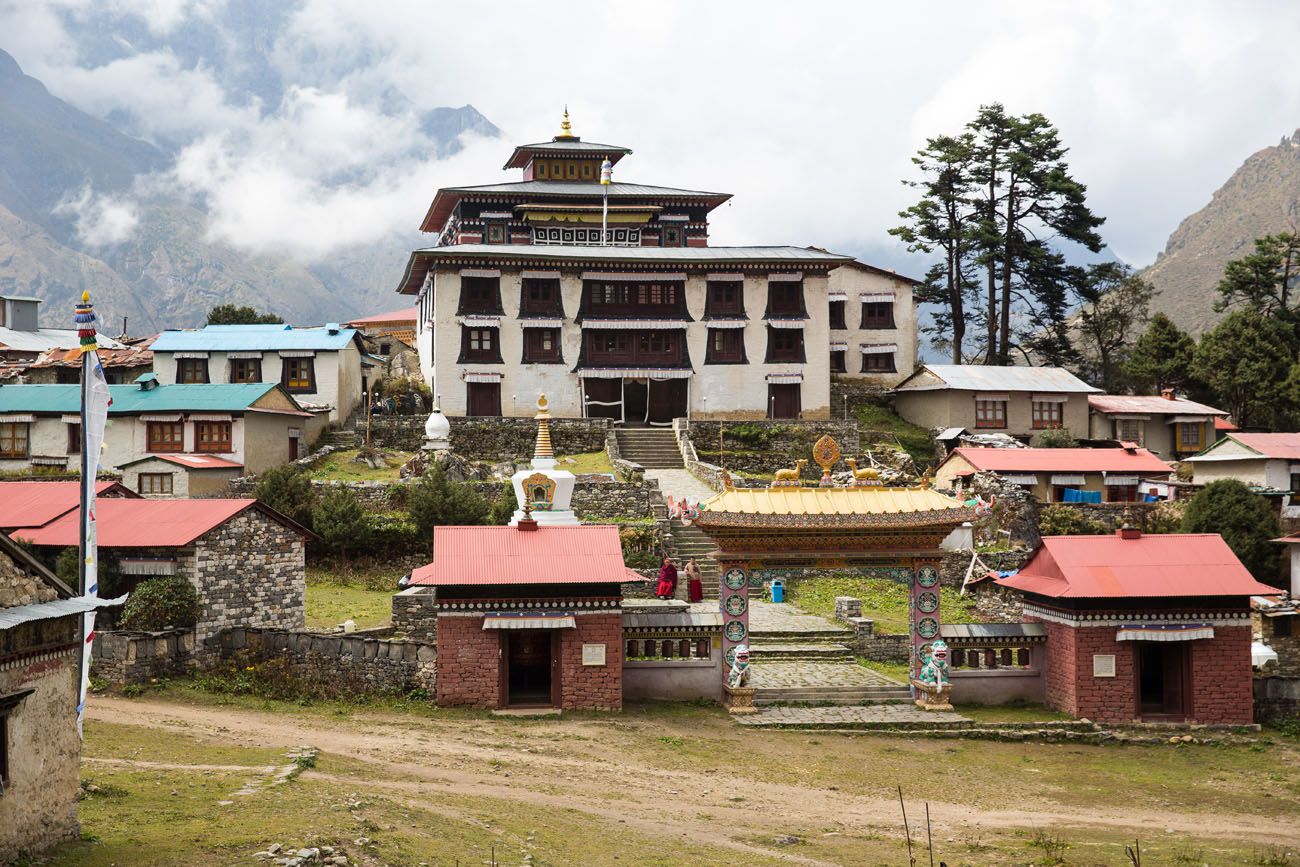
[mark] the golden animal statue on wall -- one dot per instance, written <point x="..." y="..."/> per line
<point x="867" y="474"/>
<point x="793" y="474"/>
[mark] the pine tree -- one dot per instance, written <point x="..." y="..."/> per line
<point x="1263" y="279"/>
<point x="1116" y="300"/>
<point x="1161" y="358"/>
<point x="1245" y="360"/>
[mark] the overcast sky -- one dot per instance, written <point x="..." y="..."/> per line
<point x="807" y="112"/>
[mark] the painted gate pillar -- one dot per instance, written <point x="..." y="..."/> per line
<point x="733" y="602"/>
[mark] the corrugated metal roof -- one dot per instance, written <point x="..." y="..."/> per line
<point x="564" y="147"/>
<point x="1110" y="567"/>
<point x="406" y="314"/>
<point x="651" y="618"/>
<point x="243" y="338"/>
<point x="108" y="358"/>
<point x="1148" y="404"/>
<point x="1116" y="460"/>
<point x="193" y="462"/>
<point x="138" y="523"/>
<point x="31" y="504"/>
<point x="1277" y="446"/>
<point x="588" y="554"/>
<point x="992" y="630"/>
<point x="128" y="399"/>
<point x="43" y="339"/>
<point x="11" y="617"/>
<point x="987" y="377"/>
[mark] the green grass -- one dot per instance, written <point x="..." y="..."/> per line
<point x="1011" y="713"/>
<point x="329" y="605"/>
<point x="340" y="467"/>
<point x="589" y="462"/>
<point x="914" y="440"/>
<point x="884" y="601"/>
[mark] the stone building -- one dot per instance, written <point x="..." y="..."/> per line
<point x="1050" y="475"/>
<point x="1143" y="627"/>
<point x="1170" y="426"/>
<point x="23" y="343"/>
<point x="238" y="427"/>
<point x="40" y="749"/>
<point x="1263" y="460"/>
<point x="325" y="369"/>
<point x="1018" y="401"/>
<point x="528" y="616"/>
<point x="607" y="296"/>
<point x="245" y="559"/>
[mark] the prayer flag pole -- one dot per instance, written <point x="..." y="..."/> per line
<point x="606" y="177"/>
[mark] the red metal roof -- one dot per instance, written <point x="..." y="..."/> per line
<point x="197" y="462"/>
<point x="587" y="554"/>
<point x="1115" y="460"/>
<point x="1280" y="446"/>
<point x="139" y="523"/>
<point x="1149" y="404"/>
<point x="32" y="504"/>
<point x="1111" y="567"/>
<point x="405" y="315"/>
<point x="1221" y="423"/>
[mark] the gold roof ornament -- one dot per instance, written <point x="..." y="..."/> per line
<point x="566" y="128"/>
<point x="543" y="447"/>
<point x="826" y="452"/>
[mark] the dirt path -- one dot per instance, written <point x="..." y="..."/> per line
<point x="415" y="762"/>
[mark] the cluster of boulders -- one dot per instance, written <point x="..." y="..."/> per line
<point x="290" y="856"/>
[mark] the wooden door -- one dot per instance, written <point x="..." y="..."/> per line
<point x="784" y="401"/>
<point x="483" y="398"/>
<point x="667" y="400"/>
<point x="604" y="398"/>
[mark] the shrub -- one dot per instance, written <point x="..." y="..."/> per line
<point x="340" y="521"/>
<point x="436" y="501"/>
<point x="1059" y="520"/>
<point x="288" y="490"/>
<point x="157" y="603"/>
<point x="388" y="535"/>
<point x="754" y="435"/>
<point x="503" y="507"/>
<point x="1243" y="518"/>
<point x="1054" y="438"/>
<point x="1166" y="517"/>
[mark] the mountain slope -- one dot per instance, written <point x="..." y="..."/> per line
<point x="1262" y="197"/>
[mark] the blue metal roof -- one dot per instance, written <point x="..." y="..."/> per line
<point x="128" y="399"/>
<point x="251" y="338"/>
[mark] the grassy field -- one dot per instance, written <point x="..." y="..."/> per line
<point x="340" y="467"/>
<point x="588" y="462"/>
<point x="914" y="440"/>
<point x="884" y="601"/>
<point x="330" y="604"/>
<point x="659" y="784"/>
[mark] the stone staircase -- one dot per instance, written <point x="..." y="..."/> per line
<point x="687" y="543"/>
<point x="652" y="448"/>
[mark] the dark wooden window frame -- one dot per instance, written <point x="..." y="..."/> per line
<point x="731" y="350"/>
<point x="724" y="299"/>
<point x="192" y="371"/>
<point x="616" y="299"/>
<point x="634" y="348"/>
<point x="778" y="352"/>
<point x="993" y="419"/>
<point x="839" y="361"/>
<point x="1042" y="416"/>
<point x="785" y="300"/>
<point x="535" y="351"/>
<point x="530" y="302"/>
<point x="835" y="311"/>
<point x="488" y="350"/>
<point x="871" y="365"/>
<point x="293" y="379"/>
<point x="245" y="370"/>
<point x="878" y="315"/>
<point x="74" y="437"/>
<point x="15" y="439"/>
<point x="480" y="296"/>
<point x="219" y="445"/>
<point x="156" y="443"/>
<point x="165" y="483"/>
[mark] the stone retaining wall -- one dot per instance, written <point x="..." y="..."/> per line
<point x="952" y="571"/>
<point x="504" y="439"/>
<point x="138" y="657"/>
<point x="858" y="393"/>
<point x="414" y="613"/>
<point x="779" y="444"/>
<point x="358" y="663"/>
<point x="1276" y="698"/>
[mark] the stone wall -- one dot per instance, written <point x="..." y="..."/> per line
<point x="608" y="499"/>
<point x="1276" y="698"/>
<point x="249" y="572"/>
<point x="592" y="687"/>
<point x="39" y="806"/>
<point x="137" y="657"/>
<point x="504" y="439"/>
<point x="357" y="663"/>
<point x="415" y="614"/>
<point x="468" y="663"/>
<point x="1283" y="635"/>
<point x="853" y="394"/>
<point x="952" y="571"/>
<point x="17" y="587"/>
<point x="878" y="647"/>
<point x="766" y="446"/>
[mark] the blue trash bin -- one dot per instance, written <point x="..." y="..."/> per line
<point x="778" y="590"/>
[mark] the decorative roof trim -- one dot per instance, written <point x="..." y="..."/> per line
<point x="784" y="378"/>
<point x="633" y="275"/>
<point x="481" y="376"/>
<point x="539" y="275"/>
<point x="623" y="324"/>
<point x="480" y="272"/>
<point x="635" y="373"/>
<point x="792" y="277"/>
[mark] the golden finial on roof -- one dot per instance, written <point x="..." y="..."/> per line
<point x="543" y="447"/>
<point x="566" y="129"/>
<point x="826" y="451"/>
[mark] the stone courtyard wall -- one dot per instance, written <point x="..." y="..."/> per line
<point x="359" y="663"/>
<point x="504" y="439"/>
<point x="765" y="446"/>
<point x="250" y="571"/>
<point x="1276" y="698"/>
<point x="122" y="657"/>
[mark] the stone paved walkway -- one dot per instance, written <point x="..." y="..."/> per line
<point x="680" y="483"/>
<point x="804" y="674"/>
<point x="850" y="716"/>
<point x="769" y="617"/>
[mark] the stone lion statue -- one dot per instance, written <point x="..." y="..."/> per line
<point x="739" y="674"/>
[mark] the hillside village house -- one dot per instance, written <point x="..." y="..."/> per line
<point x="645" y="322"/>
<point x="390" y="340"/>
<point x="23" y="342"/>
<point x="321" y="367"/>
<point x="1263" y="460"/>
<point x="245" y="559"/>
<point x="64" y="365"/>
<point x="1094" y="475"/>
<point x="247" y="426"/>
<point x="40" y="673"/>
<point x="1170" y="426"/>
<point x="1018" y="401"/>
<point x="1152" y="628"/>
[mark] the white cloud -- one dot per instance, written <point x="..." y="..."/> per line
<point x="808" y="114"/>
<point x="100" y="220"/>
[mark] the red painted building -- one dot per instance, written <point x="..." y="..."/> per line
<point x="1143" y="627"/>
<point x="528" y="616"/>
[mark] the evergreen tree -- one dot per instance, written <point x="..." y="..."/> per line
<point x="1263" y="279"/>
<point x="288" y="490"/>
<point x="340" y="521"/>
<point x="1116" y="300"/>
<point x="229" y="314"/>
<point x="436" y="501"/>
<point x="1244" y="361"/>
<point x="1161" y="358"/>
<point x="1244" y="519"/>
<point x="942" y="220"/>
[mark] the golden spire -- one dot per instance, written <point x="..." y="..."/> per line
<point x="566" y="129"/>
<point x="543" y="448"/>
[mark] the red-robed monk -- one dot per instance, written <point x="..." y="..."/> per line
<point x="667" y="580"/>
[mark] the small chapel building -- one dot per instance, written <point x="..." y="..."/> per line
<point x="1151" y="628"/>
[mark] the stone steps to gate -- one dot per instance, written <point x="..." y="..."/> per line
<point x="818" y="651"/>
<point x="829" y="636"/>
<point x="654" y="449"/>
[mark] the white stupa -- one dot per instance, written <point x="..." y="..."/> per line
<point x="437" y="430"/>
<point x="548" y="492"/>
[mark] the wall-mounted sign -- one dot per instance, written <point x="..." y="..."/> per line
<point x="593" y="654"/>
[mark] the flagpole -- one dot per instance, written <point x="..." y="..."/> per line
<point x="606" y="176"/>
<point x="95" y="399"/>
